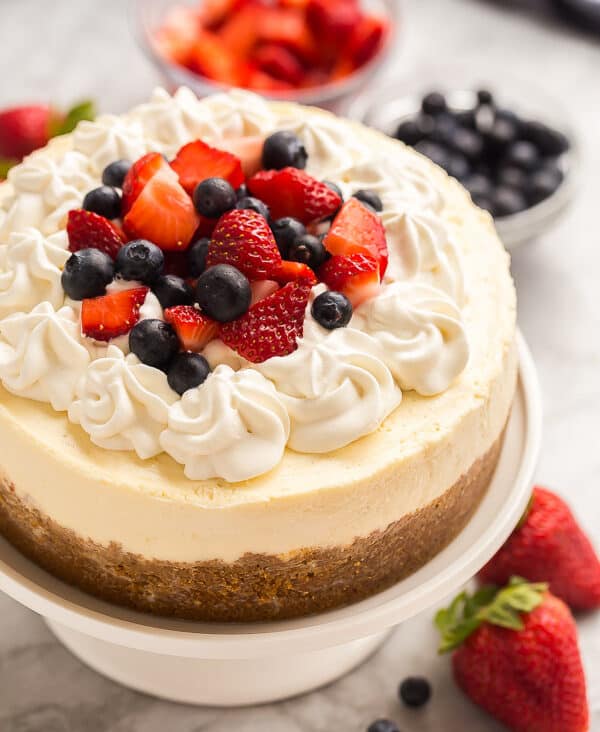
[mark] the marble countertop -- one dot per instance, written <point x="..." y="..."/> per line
<point x="82" y="48"/>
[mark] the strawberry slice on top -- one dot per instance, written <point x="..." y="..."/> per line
<point x="110" y="316"/>
<point x="356" y="276"/>
<point x="139" y="175"/>
<point x="88" y="230"/>
<point x="271" y="327"/>
<point x="243" y="239"/>
<point x="293" y="192"/>
<point x="358" y="230"/>
<point x="163" y="213"/>
<point x="193" y="329"/>
<point x="295" y="272"/>
<point x="198" y="161"/>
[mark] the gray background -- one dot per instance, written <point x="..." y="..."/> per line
<point x="68" y="49"/>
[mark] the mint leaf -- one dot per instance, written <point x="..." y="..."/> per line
<point x="83" y="111"/>
<point x="5" y="165"/>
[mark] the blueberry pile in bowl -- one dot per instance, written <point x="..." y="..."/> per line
<point x="508" y="162"/>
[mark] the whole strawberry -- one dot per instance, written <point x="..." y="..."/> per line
<point x="549" y="546"/>
<point x="515" y="654"/>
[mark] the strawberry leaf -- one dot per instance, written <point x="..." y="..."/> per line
<point x="63" y="125"/>
<point x="502" y="607"/>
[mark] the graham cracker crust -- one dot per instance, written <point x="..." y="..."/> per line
<point x="256" y="587"/>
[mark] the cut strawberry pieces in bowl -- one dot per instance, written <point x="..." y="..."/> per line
<point x="293" y="192"/>
<point x="271" y="327"/>
<point x="358" y="230"/>
<point x="193" y="329"/>
<point x="243" y="239"/>
<point x="110" y="316"/>
<point x="356" y="276"/>
<point x="87" y="230"/>
<point x="163" y="213"/>
<point x="198" y="161"/>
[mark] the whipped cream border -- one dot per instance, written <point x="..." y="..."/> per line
<point x="335" y="388"/>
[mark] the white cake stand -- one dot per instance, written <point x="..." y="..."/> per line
<point x="232" y="665"/>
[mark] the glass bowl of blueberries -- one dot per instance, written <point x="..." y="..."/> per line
<point x="511" y="147"/>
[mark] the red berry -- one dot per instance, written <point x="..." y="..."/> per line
<point x="357" y="230"/>
<point x="333" y="21"/>
<point x="193" y="329"/>
<point x="293" y="192"/>
<point x="356" y="276"/>
<point x="271" y="327"/>
<point x="87" y="230"/>
<point x="262" y="289"/>
<point x="295" y="272"/>
<point x="139" y="175"/>
<point x="198" y="161"/>
<point x="279" y="63"/>
<point x="23" y="130"/>
<point x="243" y="239"/>
<point x="550" y="546"/>
<point x="110" y="316"/>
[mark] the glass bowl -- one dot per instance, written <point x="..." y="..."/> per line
<point x="146" y="16"/>
<point x="384" y="107"/>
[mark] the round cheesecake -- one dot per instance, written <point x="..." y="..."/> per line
<point x="362" y="454"/>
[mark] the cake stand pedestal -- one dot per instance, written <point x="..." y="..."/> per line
<point x="239" y="664"/>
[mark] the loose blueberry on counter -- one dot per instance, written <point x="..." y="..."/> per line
<point x="284" y="149"/>
<point x="171" y="291"/>
<point x="543" y="183"/>
<point x="223" y="293"/>
<point x="415" y="691"/>
<point x="365" y="195"/>
<point x="434" y="103"/>
<point x="523" y="155"/>
<point x="104" y="201"/>
<point x="286" y="231"/>
<point x="87" y="273"/>
<point x="332" y="310"/>
<point x="196" y="256"/>
<point x="308" y="249"/>
<point x="140" y="260"/>
<point x="383" y="725"/>
<point x="253" y="204"/>
<point x="154" y="342"/>
<point x="187" y="371"/>
<point x="114" y="174"/>
<point x="508" y="201"/>
<point x="214" y="197"/>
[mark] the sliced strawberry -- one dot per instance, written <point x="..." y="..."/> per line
<point x="240" y="31"/>
<point x="175" y="40"/>
<point x="356" y="229"/>
<point x="295" y="272"/>
<point x="193" y="329"/>
<point x="332" y="21"/>
<point x="210" y="57"/>
<point x="87" y="230"/>
<point x="288" y="28"/>
<point x="357" y="276"/>
<point x="279" y="62"/>
<point x="293" y="192"/>
<point x="263" y="82"/>
<point x="270" y="328"/>
<point x="247" y="149"/>
<point x="366" y="39"/>
<point x="198" y="161"/>
<point x="112" y="315"/>
<point x="163" y="213"/>
<point x="261" y="289"/>
<point x="138" y="176"/>
<point x="243" y="239"/>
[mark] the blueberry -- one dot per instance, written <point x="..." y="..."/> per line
<point x="154" y="342"/>
<point x="485" y="202"/>
<point x="214" y="197"/>
<point x="332" y="310"/>
<point x="223" y="293"/>
<point x="171" y="291"/>
<point x="335" y="188"/>
<point x="242" y="191"/>
<point x="478" y="185"/>
<point x="187" y="371"/>
<point x="383" y="725"/>
<point x="513" y="177"/>
<point x="509" y="116"/>
<point x="114" y="174"/>
<point x="484" y="96"/>
<point x="196" y="256"/>
<point x="467" y="143"/>
<point x="104" y="201"/>
<point x="548" y="140"/>
<point x="253" y="204"/>
<point x="409" y="132"/>
<point x="524" y="155"/>
<point x="286" y="231"/>
<point x="282" y="150"/>
<point x="86" y="274"/>
<point x="365" y="195"/>
<point x="140" y="260"/>
<point x="499" y="136"/>
<point x="464" y="118"/>
<point x="307" y="249"/>
<point x="508" y="201"/>
<point x="415" y="691"/>
<point x="434" y="103"/>
<point x="435" y="152"/>
<point x="445" y="126"/>
<point x="457" y="166"/>
<point x="543" y="184"/>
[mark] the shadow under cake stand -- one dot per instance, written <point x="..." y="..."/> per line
<point x="238" y="664"/>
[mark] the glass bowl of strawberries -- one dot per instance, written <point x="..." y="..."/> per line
<point x="318" y="52"/>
